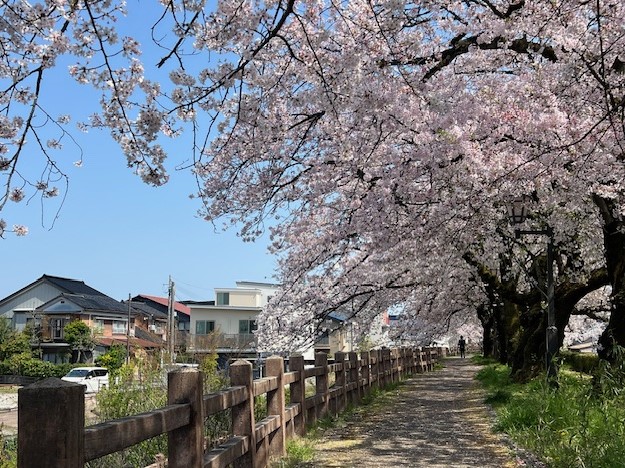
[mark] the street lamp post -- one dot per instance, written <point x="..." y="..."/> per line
<point x="517" y="214"/>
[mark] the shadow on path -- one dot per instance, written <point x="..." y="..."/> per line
<point x="433" y="420"/>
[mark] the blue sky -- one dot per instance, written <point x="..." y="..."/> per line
<point x="114" y="232"/>
<point x="121" y="236"/>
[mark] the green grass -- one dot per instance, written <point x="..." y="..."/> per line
<point x="299" y="452"/>
<point x="573" y="425"/>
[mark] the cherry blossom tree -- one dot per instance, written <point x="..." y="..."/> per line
<point x="379" y="140"/>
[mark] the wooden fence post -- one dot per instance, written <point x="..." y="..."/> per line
<point x="366" y="373"/>
<point x="298" y="394"/>
<point x="354" y="377"/>
<point x="428" y="354"/>
<point x="51" y="425"/>
<point x="275" y="406"/>
<point x="186" y="444"/>
<point x="423" y="360"/>
<point x="375" y="368"/>
<point x="341" y="381"/>
<point x="322" y="385"/>
<point x="394" y="365"/>
<point x="386" y="366"/>
<point x="243" y="414"/>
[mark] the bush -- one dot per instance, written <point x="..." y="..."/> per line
<point x="113" y="359"/>
<point x="580" y="362"/>
<point x="8" y="452"/>
<point x="137" y="388"/>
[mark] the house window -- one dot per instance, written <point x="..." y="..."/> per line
<point x="247" y="326"/>
<point x="98" y="326"/>
<point x="184" y="326"/>
<point x="56" y="326"/>
<point x="120" y="327"/>
<point x="324" y="339"/>
<point x="223" y="298"/>
<point x="204" y="327"/>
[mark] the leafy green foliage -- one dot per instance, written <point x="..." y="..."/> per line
<point x="298" y="451"/>
<point x="136" y="388"/>
<point x="113" y="359"/>
<point x="580" y="362"/>
<point x="217" y="426"/>
<point x="14" y="343"/>
<point x="78" y="335"/>
<point x="8" y="452"/>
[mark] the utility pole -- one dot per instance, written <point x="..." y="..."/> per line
<point x="171" y="321"/>
<point x="128" y="331"/>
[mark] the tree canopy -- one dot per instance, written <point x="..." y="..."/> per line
<point x="379" y="140"/>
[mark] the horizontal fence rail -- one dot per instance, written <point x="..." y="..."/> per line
<point x="51" y="430"/>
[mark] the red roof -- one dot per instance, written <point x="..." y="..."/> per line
<point x="165" y="301"/>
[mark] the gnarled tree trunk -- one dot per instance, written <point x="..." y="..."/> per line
<point x="614" y="247"/>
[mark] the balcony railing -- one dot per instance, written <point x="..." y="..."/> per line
<point x="219" y="341"/>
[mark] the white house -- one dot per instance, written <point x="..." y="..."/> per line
<point x="226" y="325"/>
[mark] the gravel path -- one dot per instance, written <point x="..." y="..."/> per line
<point x="434" y="420"/>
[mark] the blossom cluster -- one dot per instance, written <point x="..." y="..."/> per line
<point x="379" y="141"/>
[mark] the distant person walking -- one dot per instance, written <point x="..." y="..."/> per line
<point x="462" y="344"/>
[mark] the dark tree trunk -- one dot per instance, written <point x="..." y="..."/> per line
<point x="509" y="330"/>
<point x="487" y="320"/>
<point x="614" y="248"/>
<point x="529" y="358"/>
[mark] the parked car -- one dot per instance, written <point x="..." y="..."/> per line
<point x="93" y="378"/>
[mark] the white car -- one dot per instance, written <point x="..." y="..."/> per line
<point x="93" y="378"/>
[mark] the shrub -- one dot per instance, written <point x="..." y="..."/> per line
<point x="8" y="451"/>
<point x="113" y="359"/>
<point x="580" y="362"/>
<point x="137" y="388"/>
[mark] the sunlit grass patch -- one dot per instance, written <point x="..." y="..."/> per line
<point x="569" y="426"/>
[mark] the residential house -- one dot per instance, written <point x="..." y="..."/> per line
<point x="335" y="334"/>
<point x="20" y="306"/>
<point x="112" y="322"/>
<point x="338" y="333"/>
<point x="51" y="302"/>
<point x="226" y="325"/>
<point x="155" y="311"/>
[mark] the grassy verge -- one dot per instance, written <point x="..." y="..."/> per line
<point x="577" y="424"/>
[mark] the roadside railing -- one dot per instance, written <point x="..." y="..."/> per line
<point x="51" y="430"/>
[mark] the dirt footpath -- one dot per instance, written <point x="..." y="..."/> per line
<point x="434" y="420"/>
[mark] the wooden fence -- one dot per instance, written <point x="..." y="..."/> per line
<point x="51" y="413"/>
